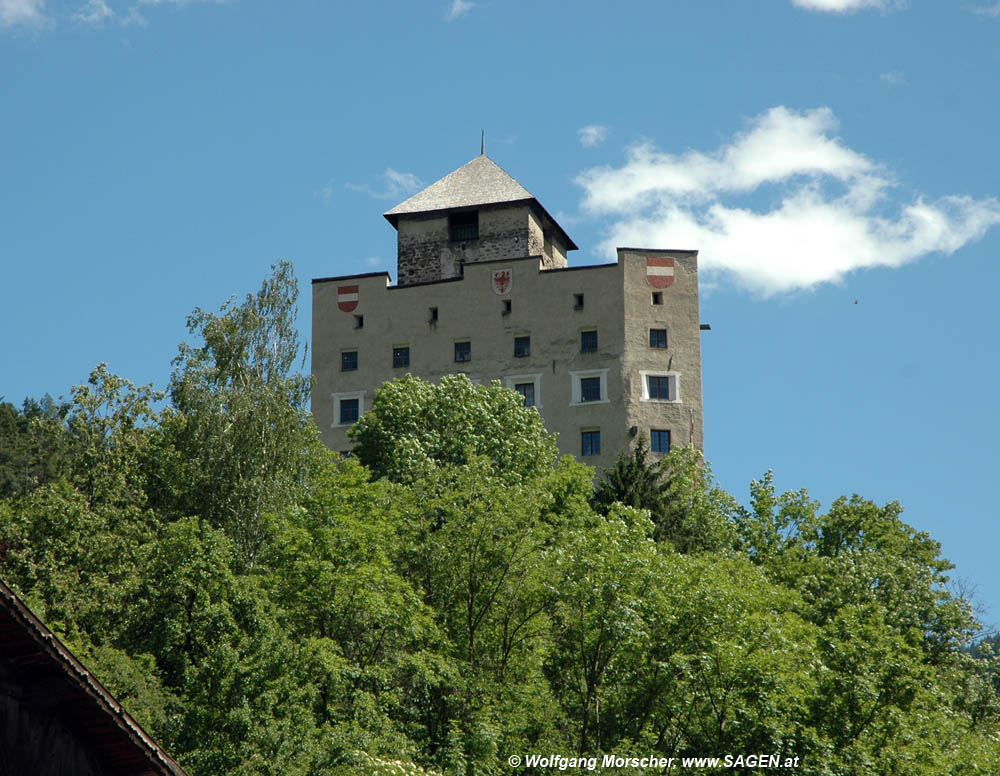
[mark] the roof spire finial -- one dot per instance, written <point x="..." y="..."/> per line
<point x="482" y="147"/>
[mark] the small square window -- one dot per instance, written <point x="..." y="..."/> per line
<point x="657" y="297"/>
<point x="522" y="347"/>
<point x="527" y="390"/>
<point x="659" y="387"/>
<point x="400" y="357"/>
<point x="590" y="389"/>
<point x="348" y="361"/>
<point x="588" y="341"/>
<point x="577" y="301"/>
<point x="659" y="441"/>
<point x="657" y="338"/>
<point x="590" y="443"/>
<point x="359" y="321"/>
<point x="463" y="351"/>
<point x="349" y="410"/>
<point x="463" y="226"/>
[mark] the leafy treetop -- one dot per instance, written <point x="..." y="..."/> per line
<point x="414" y="426"/>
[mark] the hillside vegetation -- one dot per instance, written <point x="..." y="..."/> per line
<point x="455" y="594"/>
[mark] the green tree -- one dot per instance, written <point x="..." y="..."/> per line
<point x="370" y="642"/>
<point x="728" y="663"/>
<point x="687" y="508"/>
<point x="602" y="575"/>
<point x="478" y="548"/>
<point x="35" y="445"/>
<point x="414" y="426"/>
<point x="71" y="545"/>
<point x="896" y="688"/>
<point x="240" y="441"/>
<point x="634" y="481"/>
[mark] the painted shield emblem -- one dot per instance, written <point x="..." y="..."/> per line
<point x="347" y="298"/>
<point x="659" y="272"/>
<point x="502" y="279"/>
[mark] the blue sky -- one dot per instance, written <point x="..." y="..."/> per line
<point x="833" y="160"/>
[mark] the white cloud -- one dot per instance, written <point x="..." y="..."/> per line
<point x="895" y="78"/>
<point x="397" y="185"/>
<point x="459" y="8"/>
<point x="30" y="13"/>
<point x="95" y="12"/>
<point x="134" y="18"/>
<point x="819" y="209"/>
<point x="988" y="10"/>
<point x="180" y="2"/>
<point x="841" y="6"/>
<point x="325" y="192"/>
<point x="592" y="135"/>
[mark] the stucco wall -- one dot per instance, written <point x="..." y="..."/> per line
<point x="543" y="305"/>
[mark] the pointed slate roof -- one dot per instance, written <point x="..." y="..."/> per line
<point x="479" y="182"/>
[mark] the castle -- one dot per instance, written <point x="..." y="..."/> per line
<point x="483" y="288"/>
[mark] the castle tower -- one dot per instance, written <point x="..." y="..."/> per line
<point x="476" y="213"/>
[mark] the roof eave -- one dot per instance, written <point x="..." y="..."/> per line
<point x="393" y="218"/>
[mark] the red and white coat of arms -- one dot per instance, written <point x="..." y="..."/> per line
<point x="347" y="298"/>
<point x="502" y="280"/>
<point x="659" y="272"/>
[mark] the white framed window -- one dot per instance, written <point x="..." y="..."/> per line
<point x="661" y="387"/>
<point x="589" y="386"/>
<point x="517" y="383"/>
<point x="343" y="407"/>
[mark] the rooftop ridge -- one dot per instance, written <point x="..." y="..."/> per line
<point x="478" y="182"/>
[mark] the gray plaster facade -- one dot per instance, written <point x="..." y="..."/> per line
<point x="602" y="351"/>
